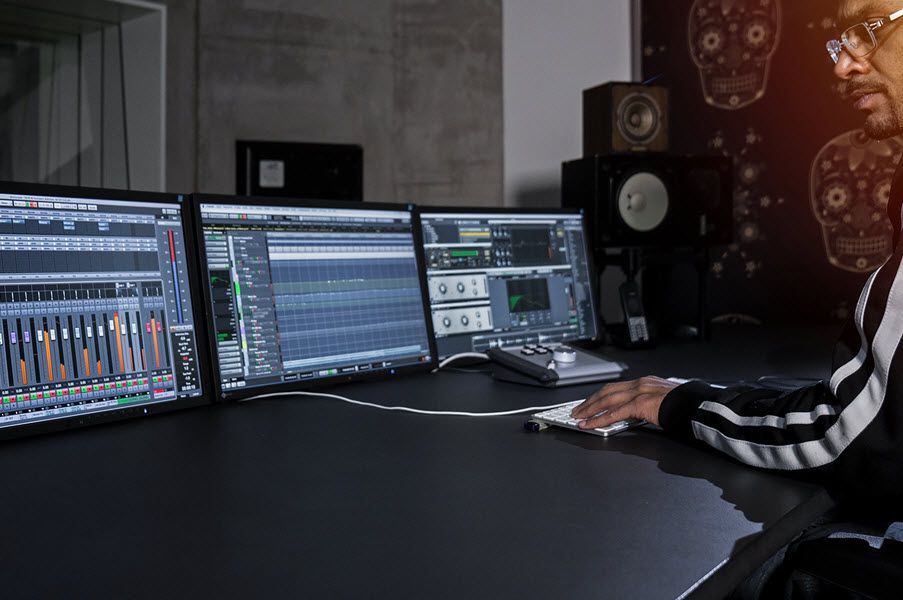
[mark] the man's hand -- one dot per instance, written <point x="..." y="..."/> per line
<point x="637" y="399"/>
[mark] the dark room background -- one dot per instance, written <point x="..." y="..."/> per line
<point x="421" y="85"/>
<point x="751" y="79"/>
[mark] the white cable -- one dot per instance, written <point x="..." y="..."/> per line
<point x="444" y="413"/>
<point x="455" y="357"/>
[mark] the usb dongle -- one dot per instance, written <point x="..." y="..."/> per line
<point x="534" y="425"/>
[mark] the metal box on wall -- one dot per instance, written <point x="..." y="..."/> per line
<point x="299" y="170"/>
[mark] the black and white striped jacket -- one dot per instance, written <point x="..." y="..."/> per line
<point x="848" y="432"/>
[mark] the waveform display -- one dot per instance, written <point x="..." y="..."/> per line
<point x="342" y="311"/>
<point x="532" y="246"/>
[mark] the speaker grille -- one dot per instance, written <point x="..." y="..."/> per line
<point x="639" y="118"/>
<point x="643" y="201"/>
<point x="652" y="199"/>
<point x="625" y="118"/>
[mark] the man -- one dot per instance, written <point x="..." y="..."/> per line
<point x="847" y="432"/>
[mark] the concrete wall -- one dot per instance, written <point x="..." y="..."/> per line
<point x="181" y="96"/>
<point x="416" y="82"/>
<point x="552" y="52"/>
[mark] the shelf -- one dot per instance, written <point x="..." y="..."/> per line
<point x="85" y="92"/>
<point x="51" y="21"/>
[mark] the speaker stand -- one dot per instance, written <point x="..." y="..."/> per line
<point x="703" y="264"/>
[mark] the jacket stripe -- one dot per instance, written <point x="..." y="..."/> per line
<point x="853" y="365"/>
<point x="850" y="423"/>
<point x="762" y="436"/>
<point x="792" y="418"/>
<point x="875" y="313"/>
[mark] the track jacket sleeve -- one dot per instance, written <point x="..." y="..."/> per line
<point x="850" y="428"/>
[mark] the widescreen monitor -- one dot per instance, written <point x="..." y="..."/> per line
<point x="303" y="293"/>
<point x="97" y="314"/>
<point x="507" y="277"/>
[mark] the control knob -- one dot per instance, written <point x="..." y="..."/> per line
<point x="464" y="320"/>
<point x="563" y="354"/>
<point x="442" y="288"/>
<point x="460" y="287"/>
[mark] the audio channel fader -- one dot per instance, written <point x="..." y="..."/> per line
<point x="95" y="309"/>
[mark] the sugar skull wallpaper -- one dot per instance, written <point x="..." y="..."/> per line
<point x="732" y="43"/>
<point x="751" y="79"/>
<point x="849" y="190"/>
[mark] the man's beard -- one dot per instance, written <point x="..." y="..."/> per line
<point x="877" y="127"/>
<point x="881" y="127"/>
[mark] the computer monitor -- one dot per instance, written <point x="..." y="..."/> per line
<point x="507" y="277"/>
<point x="97" y="319"/>
<point x="301" y="293"/>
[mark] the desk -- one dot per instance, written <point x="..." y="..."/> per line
<point x="311" y="497"/>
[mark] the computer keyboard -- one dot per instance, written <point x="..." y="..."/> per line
<point x="561" y="417"/>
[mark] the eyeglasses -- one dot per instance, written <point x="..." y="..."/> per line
<point x="859" y="41"/>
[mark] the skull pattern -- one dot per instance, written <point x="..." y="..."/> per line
<point x="731" y="42"/>
<point x="753" y="198"/>
<point x="849" y="189"/>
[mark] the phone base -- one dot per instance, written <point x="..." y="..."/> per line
<point x="621" y="338"/>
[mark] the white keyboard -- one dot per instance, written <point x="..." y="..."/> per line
<point x="561" y="417"/>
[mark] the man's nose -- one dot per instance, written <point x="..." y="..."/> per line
<point x="847" y="66"/>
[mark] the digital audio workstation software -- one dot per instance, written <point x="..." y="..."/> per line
<point x="304" y="294"/>
<point x="95" y="307"/>
<point x="501" y="279"/>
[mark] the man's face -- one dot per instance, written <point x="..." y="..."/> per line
<point x="874" y="84"/>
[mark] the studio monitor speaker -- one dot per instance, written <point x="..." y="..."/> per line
<point x="652" y="199"/>
<point x="625" y="117"/>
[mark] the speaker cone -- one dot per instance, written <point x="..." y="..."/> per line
<point x="643" y="201"/>
<point x="639" y="118"/>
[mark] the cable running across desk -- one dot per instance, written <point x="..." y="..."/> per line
<point x="416" y="411"/>
<point x="441" y="413"/>
<point x="455" y="357"/>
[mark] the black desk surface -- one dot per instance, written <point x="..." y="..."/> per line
<point x="311" y="497"/>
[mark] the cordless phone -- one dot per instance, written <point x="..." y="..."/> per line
<point x="637" y="330"/>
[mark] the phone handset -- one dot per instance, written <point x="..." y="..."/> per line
<point x="635" y="323"/>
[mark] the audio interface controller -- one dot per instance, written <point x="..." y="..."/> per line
<point x="551" y="365"/>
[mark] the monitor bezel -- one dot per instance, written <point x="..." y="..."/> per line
<point x="501" y="210"/>
<point x="145" y="410"/>
<point x="290" y="386"/>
